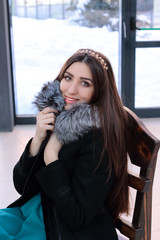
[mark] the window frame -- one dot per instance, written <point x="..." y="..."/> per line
<point x="7" y="109"/>
<point x="129" y="46"/>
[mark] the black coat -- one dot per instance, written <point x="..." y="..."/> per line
<point x="74" y="194"/>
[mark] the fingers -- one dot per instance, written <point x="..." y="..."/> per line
<point x="48" y="116"/>
<point x="47" y="113"/>
<point x="45" y="121"/>
<point x="49" y="110"/>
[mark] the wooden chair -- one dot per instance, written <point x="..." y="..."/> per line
<point x="143" y="150"/>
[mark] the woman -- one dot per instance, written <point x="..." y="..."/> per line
<point x="82" y="183"/>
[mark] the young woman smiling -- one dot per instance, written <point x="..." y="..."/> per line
<point x="75" y="177"/>
<point x="77" y="84"/>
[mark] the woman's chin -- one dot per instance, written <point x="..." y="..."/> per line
<point x="68" y="106"/>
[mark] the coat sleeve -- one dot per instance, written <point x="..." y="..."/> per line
<point x="26" y="167"/>
<point x="22" y="169"/>
<point x="79" y="197"/>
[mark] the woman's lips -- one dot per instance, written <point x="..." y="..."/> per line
<point x="70" y="100"/>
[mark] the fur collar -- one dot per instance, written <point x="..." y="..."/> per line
<point x="70" y="124"/>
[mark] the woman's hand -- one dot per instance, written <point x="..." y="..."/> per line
<point x="44" y="122"/>
<point x="52" y="149"/>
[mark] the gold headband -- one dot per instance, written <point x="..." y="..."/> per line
<point x="96" y="55"/>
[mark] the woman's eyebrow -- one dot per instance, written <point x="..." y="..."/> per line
<point x="69" y="73"/>
<point x="80" y="77"/>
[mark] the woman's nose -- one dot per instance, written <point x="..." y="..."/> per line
<point x="73" y="88"/>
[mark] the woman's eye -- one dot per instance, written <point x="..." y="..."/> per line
<point x="67" y="77"/>
<point x="85" y="83"/>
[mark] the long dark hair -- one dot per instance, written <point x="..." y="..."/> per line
<point x="114" y="122"/>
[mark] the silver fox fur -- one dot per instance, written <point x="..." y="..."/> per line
<point x="70" y="124"/>
<point x="75" y="122"/>
<point x="50" y="96"/>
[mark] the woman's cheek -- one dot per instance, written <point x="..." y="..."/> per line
<point x="62" y="86"/>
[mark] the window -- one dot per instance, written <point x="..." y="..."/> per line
<point x="147" y="77"/>
<point x="147" y="90"/>
<point x="46" y="33"/>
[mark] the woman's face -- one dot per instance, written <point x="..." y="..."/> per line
<point x="77" y="84"/>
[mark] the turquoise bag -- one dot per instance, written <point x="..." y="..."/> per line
<point x="23" y="223"/>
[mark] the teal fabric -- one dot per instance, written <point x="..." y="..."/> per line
<point x="23" y="223"/>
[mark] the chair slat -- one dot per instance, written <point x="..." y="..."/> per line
<point x="128" y="229"/>
<point x="139" y="183"/>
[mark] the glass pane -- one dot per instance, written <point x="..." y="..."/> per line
<point x="147" y="89"/>
<point x="148" y="20"/>
<point x="46" y="33"/>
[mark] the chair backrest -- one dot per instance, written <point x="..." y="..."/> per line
<point x="143" y="149"/>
